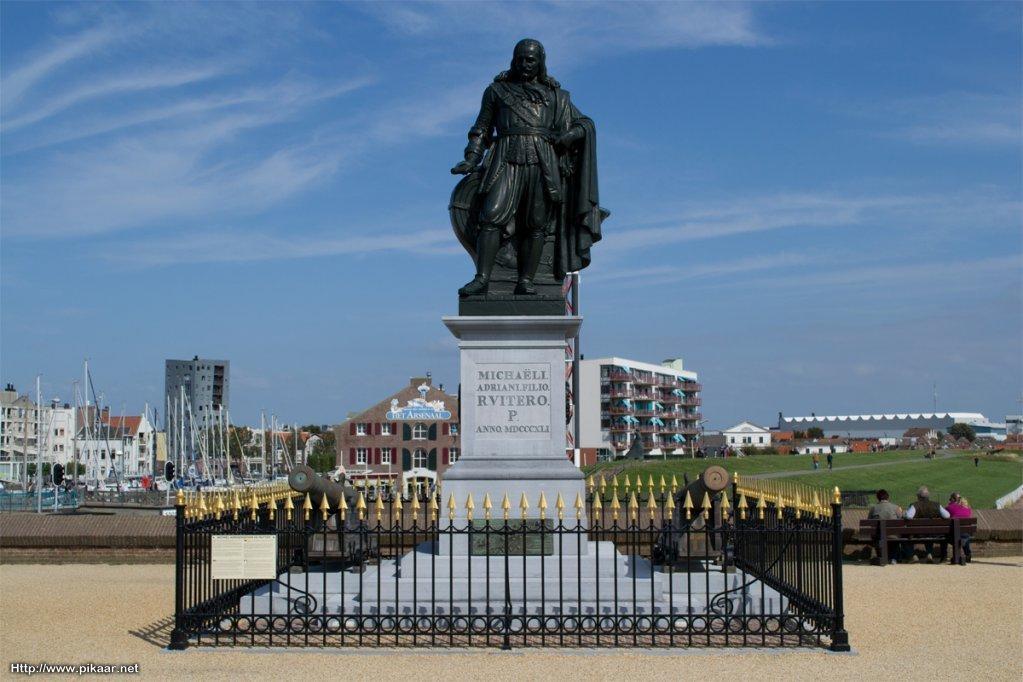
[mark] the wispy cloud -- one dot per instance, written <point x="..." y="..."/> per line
<point x="240" y="246"/>
<point x="51" y="58"/>
<point x="954" y="118"/>
<point x="113" y="85"/>
<point x="784" y="211"/>
<point x="583" y="28"/>
<point x="669" y="274"/>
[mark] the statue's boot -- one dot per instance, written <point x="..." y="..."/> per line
<point x="488" y="242"/>
<point x="531" y="263"/>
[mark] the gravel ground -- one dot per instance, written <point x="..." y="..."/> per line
<point x="905" y="622"/>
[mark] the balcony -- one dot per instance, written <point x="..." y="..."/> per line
<point x="620" y="376"/>
<point x="648" y="428"/>
<point x="690" y="387"/>
<point x="621" y="392"/>
<point x="691" y="402"/>
<point x="621" y="410"/>
<point x="688" y="430"/>
<point x="643" y="379"/>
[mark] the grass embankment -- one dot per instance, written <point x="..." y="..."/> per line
<point x="980" y="485"/>
<point x="900" y="471"/>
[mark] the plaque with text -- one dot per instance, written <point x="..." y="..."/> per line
<point x="244" y="557"/>
<point x="532" y="537"/>
<point x="512" y="400"/>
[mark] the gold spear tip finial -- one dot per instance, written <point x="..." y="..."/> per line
<point x="603" y="483"/>
<point x="486" y="502"/>
<point x="288" y="504"/>
<point x="179" y="499"/>
<point x="650" y="482"/>
<point x="579" y="504"/>
<point x="469" y="504"/>
<point x="633" y="502"/>
<point x="597" y="504"/>
<point x="662" y="484"/>
<point x="674" y="483"/>
<point x="523" y="502"/>
<point x="687" y="503"/>
<point x="589" y="482"/>
<point x="506" y="503"/>
<point x="308" y="502"/>
<point x="627" y="482"/>
<point x="838" y="496"/>
<point x="360" y="502"/>
<point x="452" y="505"/>
<point x="706" y="501"/>
<point x="559" y="503"/>
<point x="542" y="503"/>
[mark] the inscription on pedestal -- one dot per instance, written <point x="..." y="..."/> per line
<point x="512" y="400"/>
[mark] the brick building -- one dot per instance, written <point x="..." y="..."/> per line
<point x="408" y="439"/>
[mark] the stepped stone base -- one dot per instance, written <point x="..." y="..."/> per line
<point x="600" y="582"/>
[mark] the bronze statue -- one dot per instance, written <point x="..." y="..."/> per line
<point x="528" y="209"/>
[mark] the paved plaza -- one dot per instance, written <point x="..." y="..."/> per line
<point x="911" y="622"/>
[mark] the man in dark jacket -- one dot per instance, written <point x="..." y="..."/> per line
<point x="925" y="508"/>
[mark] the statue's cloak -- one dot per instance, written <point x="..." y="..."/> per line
<point x="580" y="218"/>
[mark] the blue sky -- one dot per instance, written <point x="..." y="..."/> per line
<point x="818" y="206"/>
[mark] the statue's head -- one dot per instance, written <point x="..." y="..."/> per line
<point x="529" y="61"/>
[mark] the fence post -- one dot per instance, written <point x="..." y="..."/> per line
<point x="179" y="637"/>
<point x="839" y="636"/>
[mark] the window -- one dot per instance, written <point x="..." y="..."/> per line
<point x="453" y="455"/>
<point x="454" y="429"/>
<point x="761" y="439"/>
<point x="360" y="429"/>
<point x="361" y="455"/>
<point x="385" y="455"/>
<point x="419" y="460"/>
<point x="419" y="432"/>
<point x="385" y="429"/>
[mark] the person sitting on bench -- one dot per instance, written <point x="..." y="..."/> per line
<point x="887" y="510"/>
<point x="958" y="508"/>
<point x="924" y="508"/>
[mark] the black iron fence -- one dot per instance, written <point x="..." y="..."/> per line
<point x="644" y="567"/>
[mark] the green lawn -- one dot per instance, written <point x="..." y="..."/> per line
<point x="757" y="464"/>
<point x="908" y="470"/>
<point x="981" y="486"/>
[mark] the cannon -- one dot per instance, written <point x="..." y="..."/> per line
<point x="335" y="541"/>
<point x="692" y="539"/>
<point x="303" y="479"/>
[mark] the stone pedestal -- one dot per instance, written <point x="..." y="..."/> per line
<point x="512" y="416"/>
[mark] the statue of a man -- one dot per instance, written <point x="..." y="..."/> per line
<point x="538" y="180"/>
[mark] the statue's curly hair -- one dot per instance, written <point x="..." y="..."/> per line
<point x="542" y="75"/>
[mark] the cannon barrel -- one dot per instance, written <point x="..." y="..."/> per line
<point x="713" y="480"/>
<point x="702" y="542"/>
<point x="303" y="479"/>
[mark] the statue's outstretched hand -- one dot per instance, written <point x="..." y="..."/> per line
<point x="463" y="168"/>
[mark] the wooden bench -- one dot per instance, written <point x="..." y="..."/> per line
<point x="880" y="532"/>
